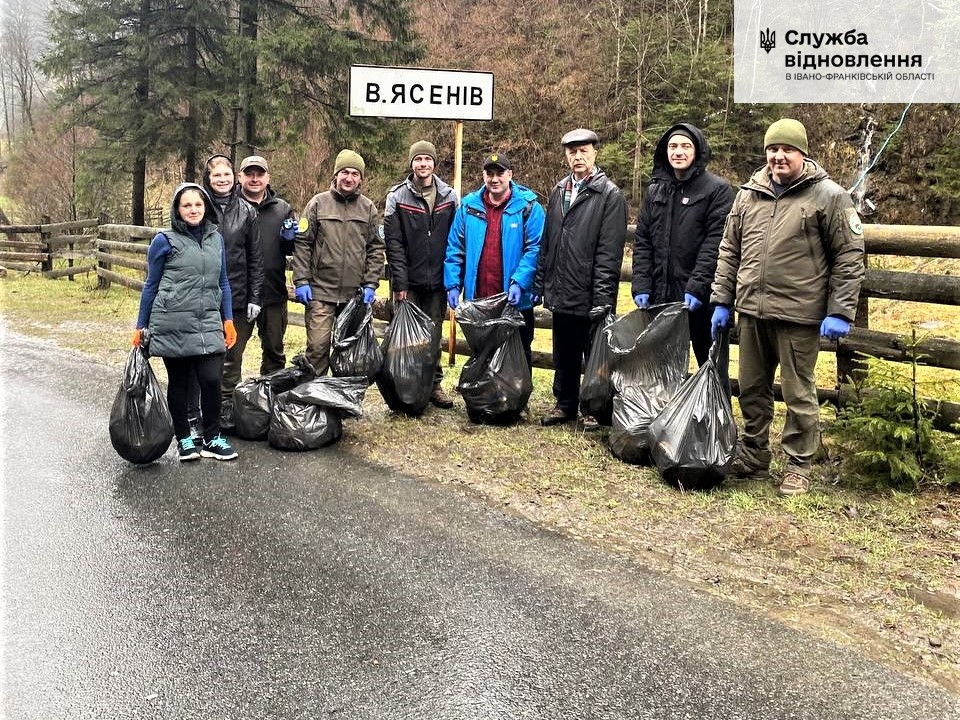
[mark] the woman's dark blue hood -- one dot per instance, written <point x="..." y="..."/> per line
<point x="175" y="220"/>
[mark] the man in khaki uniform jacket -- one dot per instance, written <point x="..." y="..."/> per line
<point x="791" y="264"/>
<point x="340" y="251"/>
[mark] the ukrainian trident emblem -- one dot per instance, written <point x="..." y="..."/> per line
<point x="768" y="39"/>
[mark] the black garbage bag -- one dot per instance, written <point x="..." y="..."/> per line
<point x="495" y="382"/>
<point x="650" y="353"/>
<point x="596" y="390"/>
<point x="253" y="399"/>
<point x="355" y="351"/>
<point x="140" y="424"/>
<point x="694" y="437"/>
<point x="409" y="359"/>
<point x="310" y="416"/>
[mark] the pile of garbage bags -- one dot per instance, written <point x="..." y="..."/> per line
<point x="683" y="425"/>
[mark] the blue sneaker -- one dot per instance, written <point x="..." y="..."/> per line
<point x="187" y="449"/>
<point x="218" y="448"/>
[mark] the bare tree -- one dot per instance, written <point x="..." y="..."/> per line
<point x="21" y="41"/>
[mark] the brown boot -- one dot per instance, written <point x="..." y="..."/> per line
<point x="557" y="416"/>
<point x="440" y="399"/>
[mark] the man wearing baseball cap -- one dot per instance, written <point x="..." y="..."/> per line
<point x="493" y="243"/>
<point x="791" y="264"/>
<point x="278" y="228"/>
<point x="338" y="250"/>
<point x="578" y="273"/>
<point x="416" y="221"/>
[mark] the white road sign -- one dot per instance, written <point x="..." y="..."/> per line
<point x="417" y="93"/>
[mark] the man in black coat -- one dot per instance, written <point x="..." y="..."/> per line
<point x="678" y="235"/>
<point x="578" y="270"/>
<point x="278" y="228"/>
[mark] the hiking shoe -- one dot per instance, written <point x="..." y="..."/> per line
<point x="794" y="484"/>
<point x="589" y="423"/>
<point x="187" y="449"/>
<point x="219" y="449"/>
<point x="440" y="399"/>
<point x="742" y="468"/>
<point x="557" y="416"/>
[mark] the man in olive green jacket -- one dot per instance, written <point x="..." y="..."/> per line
<point x="791" y="264"/>
<point x="340" y="252"/>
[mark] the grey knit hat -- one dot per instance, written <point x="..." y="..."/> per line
<point x="421" y="147"/>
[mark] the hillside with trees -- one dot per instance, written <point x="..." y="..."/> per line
<point x="125" y="98"/>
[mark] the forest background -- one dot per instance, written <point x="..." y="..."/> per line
<point x="109" y="103"/>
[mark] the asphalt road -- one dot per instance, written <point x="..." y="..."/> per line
<point x="312" y="585"/>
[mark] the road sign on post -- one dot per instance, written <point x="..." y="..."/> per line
<point x="397" y="92"/>
<point x="422" y="94"/>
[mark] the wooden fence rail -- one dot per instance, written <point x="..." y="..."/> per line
<point x="116" y="253"/>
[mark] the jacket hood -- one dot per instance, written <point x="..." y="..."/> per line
<point x="761" y="180"/>
<point x="176" y="222"/>
<point x="661" y="165"/>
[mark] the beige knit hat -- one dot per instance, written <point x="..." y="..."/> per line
<point x="421" y="147"/>
<point x="349" y="159"/>
<point x="787" y="132"/>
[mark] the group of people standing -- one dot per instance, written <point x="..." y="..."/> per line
<point x="785" y="252"/>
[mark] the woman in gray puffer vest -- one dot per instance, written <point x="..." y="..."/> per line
<point x="186" y="308"/>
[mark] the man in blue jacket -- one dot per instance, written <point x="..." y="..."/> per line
<point x="494" y="243"/>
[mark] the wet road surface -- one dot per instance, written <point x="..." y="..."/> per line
<point x="312" y="585"/>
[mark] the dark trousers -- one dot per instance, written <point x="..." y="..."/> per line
<point x="434" y="304"/>
<point x="571" y="348"/>
<point x="526" y="337"/>
<point x="272" y="326"/>
<point x="205" y="371"/>
<point x="699" y="322"/>
<point x="233" y="360"/>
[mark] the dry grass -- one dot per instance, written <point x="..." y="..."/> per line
<point x="880" y="572"/>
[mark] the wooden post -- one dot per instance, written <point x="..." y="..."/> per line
<point x="47" y="264"/>
<point x="457" y="185"/>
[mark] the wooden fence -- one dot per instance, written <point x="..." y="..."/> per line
<point x="117" y="254"/>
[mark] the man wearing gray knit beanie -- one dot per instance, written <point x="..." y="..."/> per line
<point x="791" y="264"/>
<point x="416" y="220"/>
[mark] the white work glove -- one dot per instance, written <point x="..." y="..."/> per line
<point x="252" y="312"/>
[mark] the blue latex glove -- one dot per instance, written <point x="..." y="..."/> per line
<point x="642" y="300"/>
<point x="368" y="295"/>
<point x="453" y="298"/>
<point x="691" y="301"/>
<point x="304" y="294"/>
<point x="513" y="294"/>
<point x="834" y="328"/>
<point x="720" y="319"/>
<point x="252" y="311"/>
<point x="288" y="230"/>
